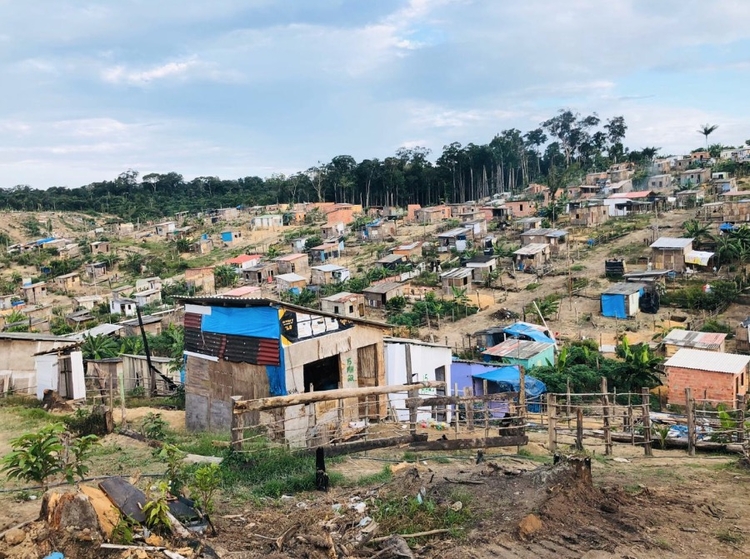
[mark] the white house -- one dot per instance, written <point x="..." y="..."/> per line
<point x="268" y="221"/>
<point x="427" y="362"/>
<point x="122" y="305"/>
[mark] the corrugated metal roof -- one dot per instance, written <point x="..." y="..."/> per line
<point x="456" y="273"/>
<point x="518" y="349"/>
<point x="623" y="288"/>
<point x="33" y="337"/>
<point x="712" y="361"/>
<point x="292" y="277"/>
<point x="695" y="340"/>
<point x="672" y="242"/>
<point x="342" y="297"/>
<point x="454" y="233"/>
<point x="328" y="268"/>
<point x="242" y="291"/>
<point x="290" y="257"/>
<point x="382" y="287"/>
<point x="534" y="248"/>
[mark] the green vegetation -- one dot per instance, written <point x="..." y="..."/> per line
<point x="205" y="483"/>
<point x="37" y="457"/>
<point x="409" y="515"/>
<point x="431" y="309"/>
<point x="694" y="297"/>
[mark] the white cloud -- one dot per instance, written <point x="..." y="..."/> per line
<point x="120" y="74"/>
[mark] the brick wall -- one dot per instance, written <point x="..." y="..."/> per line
<point x="705" y="385"/>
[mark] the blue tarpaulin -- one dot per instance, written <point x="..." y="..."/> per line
<point x="508" y="379"/>
<point x="727" y="227"/>
<point x="613" y="305"/>
<point x="527" y="331"/>
<point x="259" y="322"/>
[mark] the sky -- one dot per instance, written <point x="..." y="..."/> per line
<point x="235" y="88"/>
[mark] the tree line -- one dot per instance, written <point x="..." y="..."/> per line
<point x="561" y="147"/>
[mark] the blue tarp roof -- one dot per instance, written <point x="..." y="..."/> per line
<point x="727" y="227"/>
<point x="45" y="241"/>
<point x="528" y="330"/>
<point x="509" y="379"/>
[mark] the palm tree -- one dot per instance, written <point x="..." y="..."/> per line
<point x="460" y="296"/>
<point x="695" y="229"/>
<point x="707" y="130"/>
<point x="727" y="248"/>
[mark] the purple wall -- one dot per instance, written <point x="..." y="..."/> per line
<point x="461" y="372"/>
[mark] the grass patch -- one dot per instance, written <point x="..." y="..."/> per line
<point x="662" y="544"/>
<point x="542" y="458"/>
<point x="406" y="516"/>
<point x="272" y="472"/>
<point x="20" y="401"/>
<point x="531" y="287"/>
<point x="383" y="476"/>
<point x="577" y="268"/>
<point x="202" y="443"/>
<point x="409" y="456"/>
<point x="731" y="537"/>
<point x="441" y="460"/>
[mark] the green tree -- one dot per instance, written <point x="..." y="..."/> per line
<point x="225" y="276"/>
<point x="99" y="347"/>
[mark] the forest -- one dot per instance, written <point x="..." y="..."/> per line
<point x="560" y="150"/>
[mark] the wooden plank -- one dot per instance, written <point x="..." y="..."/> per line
<point x="128" y="499"/>
<point x="690" y="410"/>
<point x="264" y="404"/>
<point x="645" y="402"/>
<point x="461" y="444"/>
<point x="607" y="430"/>
<point x="361" y="446"/>
<point x="552" y="432"/>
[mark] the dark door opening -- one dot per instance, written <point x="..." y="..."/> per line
<point x="322" y="374"/>
<point x="440" y="411"/>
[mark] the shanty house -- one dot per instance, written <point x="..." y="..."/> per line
<point x="229" y="238"/>
<point x="390" y="261"/>
<point x="326" y="274"/>
<point x="35" y="293"/>
<point x="430" y="215"/>
<point x="460" y="278"/>
<point x="268" y="221"/>
<point x="587" y="214"/>
<point x="535" y="255"/>
<point x="290" y="282"/>
<point x="31" y="363"/>
<point x="87" y="302"/>
<point x="122" y="305"/>
<point x="344" y="304"/>
<point x="99" y="247"/>
<point x="378" y="295"/>
<point x="163" y="229"/>
<point x="255" y="348"/>
<point x="713" y="376"/>
<point x="243" y="261"/>
<point x="518" y="330"/>
<point x="263" y="273"/>
<point x="555" y="238"/>
<point x="325" y="252"/>
<point x="679" y="338"/>
<point x="481" y="266"/>
<point x="330" y="230"/>
<point x="204" y="245"/>
<point x="522" y="352"/>
<point x="147" y="297"/>
<point x="622" y="300"/>
<point x="408" y="361"/>
<point x="68" y="282"/>
<point x="668" y="253"/>
<point x="409" y="250"/>
<point x="528" y="223"/>
<point x="379" y="229"/>
<point x="151" y="325"/>
<point x="293" y="264"/>
<point x="694" y="177"/>
<point x="455" y="239"/>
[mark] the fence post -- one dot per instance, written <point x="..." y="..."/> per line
<point x="552" y="412"/>
<point x="486" y="410"/>
<point x="690" y="412"/>
<point x="469" y="391"/>
<point x="646" y="405"/>
<point x="456" y="407"/>
<point x="579" y="429"/>
<point x="567" y="401"/>
<point x="607" y="432"/>
<point x="522" y="401"/>
<point x="741" y="419"/>
<point x="238" y="422"/>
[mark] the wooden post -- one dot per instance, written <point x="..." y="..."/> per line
<point x="567" y="401"/>
<point x="521" y="401"/>
<point x="412" y="393"/>
<point x="238" y="422"/>
<point x="486" y="410"/>
<point x="456" y="408"/>
<point x="741" y="419"/>
<point x="607" y="432"/>
<point x="690" y="412"/>
<point x="579" y="429"/>
<point x="646" y="405"/>
<point x="552" y="432"/>
<point x="469" y="391"/>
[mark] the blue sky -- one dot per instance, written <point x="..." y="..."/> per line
<point x="254" y="87"/>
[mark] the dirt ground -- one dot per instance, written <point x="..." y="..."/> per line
<point x="666" y="506"/>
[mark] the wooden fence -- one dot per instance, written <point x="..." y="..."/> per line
<point x="460" y="421"/>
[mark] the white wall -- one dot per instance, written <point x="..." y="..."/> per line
<point x="424" y="360"/>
